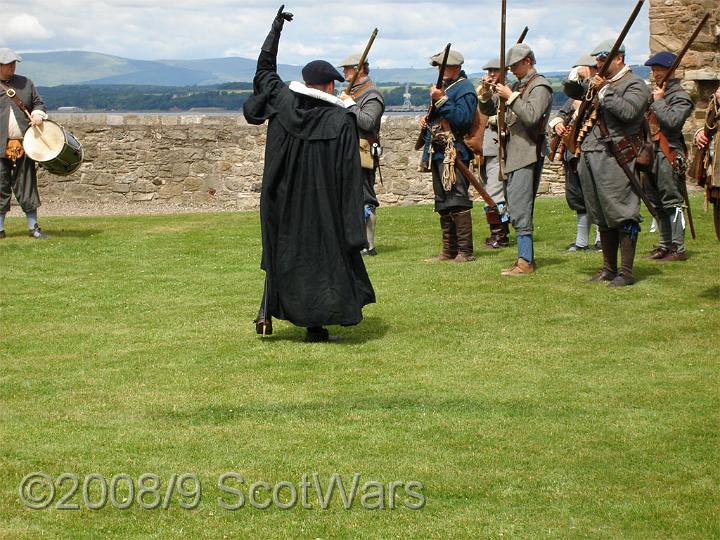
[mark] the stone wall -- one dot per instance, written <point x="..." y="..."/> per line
<point x="210" y="160"/>
<point x="216" y="161"/>
<point x="671" y="24"/>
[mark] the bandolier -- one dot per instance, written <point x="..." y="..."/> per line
<point x="443" y="145"/>
<point x="610" y="196"/>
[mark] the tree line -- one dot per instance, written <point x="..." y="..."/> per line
<point x="227" y="96"/>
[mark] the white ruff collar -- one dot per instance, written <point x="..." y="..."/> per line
<point x="300" y="88"/>
<point x="620" y="74"/>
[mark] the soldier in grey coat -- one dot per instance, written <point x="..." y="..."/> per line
<point x="671" y="106"/>
<point x="490" y="170"/>
<point x="367" y="103"/>
<point x="18" y="176"/>
<point x="529" y="101"/>
<point x="611" y="200"/>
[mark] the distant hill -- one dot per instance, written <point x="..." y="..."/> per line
<point x="77" y="67"/>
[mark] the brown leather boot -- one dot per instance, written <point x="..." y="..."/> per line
<point x="449" y="239"/>
<point x="520" y="268"/>
<point x="657" y="254"/>
<point x="609" y="239"/>
<point x="674" y="255"/>
<point x="463" y="225"/>
<point x="496" y="228"/>
<point x="627" y="255"/>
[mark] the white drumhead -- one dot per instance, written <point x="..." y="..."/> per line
<point x="45" y="142"/>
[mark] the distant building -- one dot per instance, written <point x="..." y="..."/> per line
<point x="407" y="104"/>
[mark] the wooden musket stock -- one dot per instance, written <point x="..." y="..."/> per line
<point x="420" y="142"/>
<point x="362" y="61"/>
<point x="502" y="128"/>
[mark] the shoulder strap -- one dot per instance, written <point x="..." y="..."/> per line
<point x="527" y="85"/>
<point x="10" y="93"/>
<point x="364" y="86"/>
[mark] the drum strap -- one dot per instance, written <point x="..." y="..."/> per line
<point x="10" y="92"/>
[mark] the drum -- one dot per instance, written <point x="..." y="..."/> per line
<point x="53" y="147"/>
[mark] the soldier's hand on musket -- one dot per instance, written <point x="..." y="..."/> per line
<point x="598" y="82"/>
<point x="344" y="95"/>
<point x="659" y="93"/>
<point x="487" y="82"/>
<point x="423" y="122"/>
<point x="436" y="93"/>
<point x="559" y="129"/>
<point x="503" y="91"/>
<point x="701" y="139"/>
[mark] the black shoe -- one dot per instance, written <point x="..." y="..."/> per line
<point x="575" y="247"/>
<point x="37" y="233"/>
<point x="597" y="246"/>
<point x="368" y="252"/>
<point x="318" y="334"/>
<point x="2" y="234"/>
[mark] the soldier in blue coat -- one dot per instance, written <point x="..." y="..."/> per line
<point x="455" y="104"/>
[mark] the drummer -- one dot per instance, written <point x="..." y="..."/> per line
<point x="17" y="171"/>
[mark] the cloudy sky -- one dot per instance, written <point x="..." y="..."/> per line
<point x="409" y="32"/>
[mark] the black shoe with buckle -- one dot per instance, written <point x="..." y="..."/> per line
<point x="368" y="252"/>
<point x="37" y="233"/>
<point x="575" y="247"/>
<point x="318" y="334"/>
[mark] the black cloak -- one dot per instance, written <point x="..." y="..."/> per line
<point x="311" y="205"/>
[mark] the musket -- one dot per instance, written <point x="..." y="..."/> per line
<point x="420" y="142"/>
<point x="362" y="61"/>
<point x="591" y="95"/>
<point x="470" y="177"/>
<point x="502" y="135"/>
<point x="659" y="137"/>
<point x="684" y="51"/>
<point x="479" y="135"/>
<point x="523" y="35"/>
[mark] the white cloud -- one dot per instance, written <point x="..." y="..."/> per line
<point x="24" y="27"/>
<point x="409" y="32"/>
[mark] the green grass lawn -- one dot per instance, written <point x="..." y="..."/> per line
<point x="532" y="407"/>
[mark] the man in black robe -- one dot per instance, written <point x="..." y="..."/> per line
<point x="311" y="202"/>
